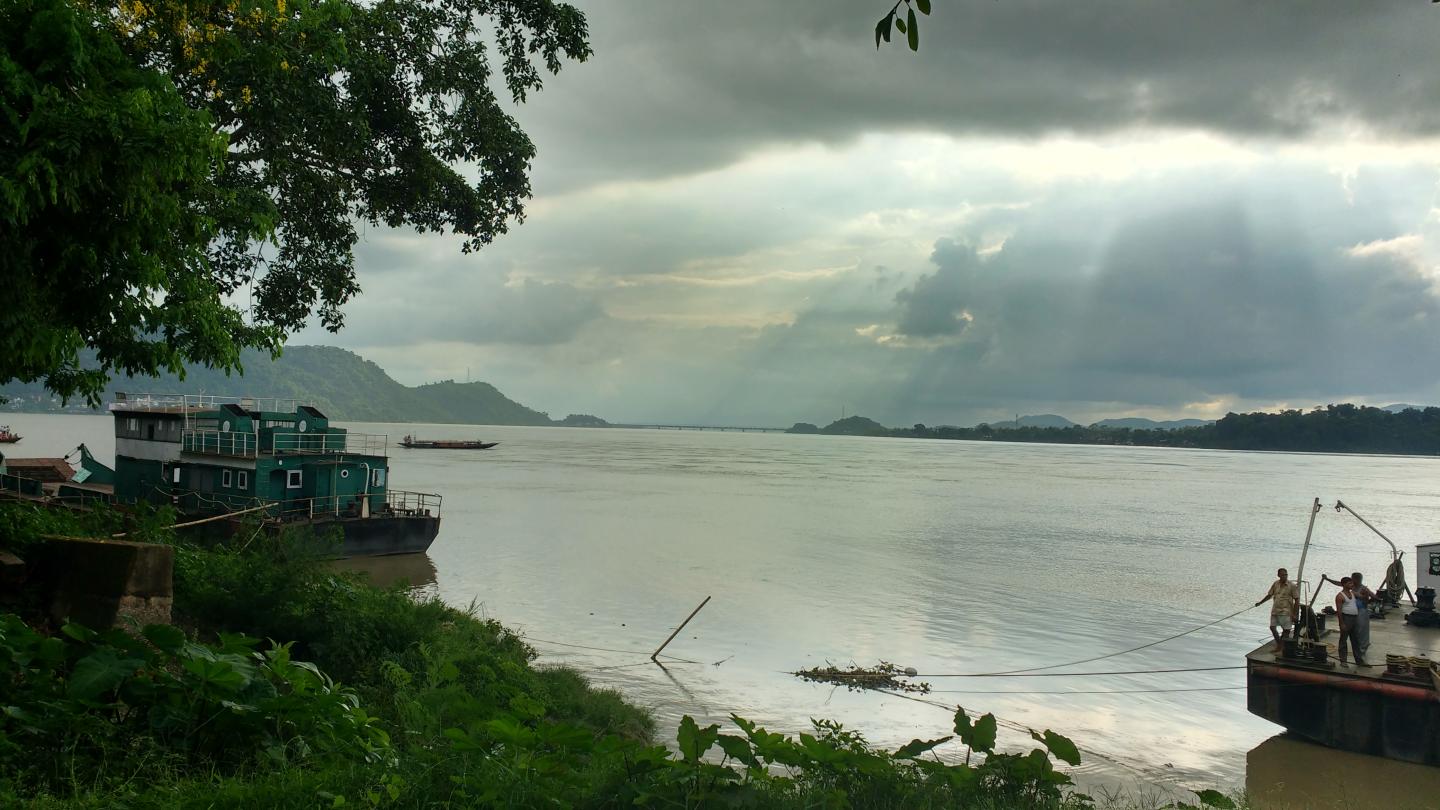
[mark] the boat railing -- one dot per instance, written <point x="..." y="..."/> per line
<point x="398" y="503"/>
<point x="220" y="443"/>
<point x="195" y="403"/>
<point x="360" y="444"/>
<point x="401" y="502"/>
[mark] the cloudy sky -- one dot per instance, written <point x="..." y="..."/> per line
<point x="746" y="214"/>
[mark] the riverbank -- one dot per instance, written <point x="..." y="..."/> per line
<point x="283" y="684"/>
<point x="1343" y="428"/>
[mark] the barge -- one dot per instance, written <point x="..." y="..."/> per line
<point x="281" y="462"/>
<point x="445" y="444"/>
<point x="1390" y="708"/>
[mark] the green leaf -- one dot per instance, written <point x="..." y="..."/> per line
<point x="98" y="673"/>
<point x="912" y="31"/>
<point x="1062" y="747"/>
<point x="695" y="741"/>
<point x="738" y="748"/>
<point x="980" y="735"/>
<point x="216" y="676"/>
<point x="900" y="25"/>
<point x="915" y="748"/>
<point x="923" y="5"/>
<point x="1214" y="798"/>
<point x="78" y="632"/>
<point x="164" y="636"/>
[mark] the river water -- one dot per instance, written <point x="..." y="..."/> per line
<point x="949" y="557"/>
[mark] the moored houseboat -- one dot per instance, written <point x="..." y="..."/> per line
<point x="282" y="462"/>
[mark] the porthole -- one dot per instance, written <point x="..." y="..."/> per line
<point x="344" y="473"/>
<point x="303" y="426"/>
<point x="224" y="427"/>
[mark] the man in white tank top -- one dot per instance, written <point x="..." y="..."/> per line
<point x="1348" y="613"/>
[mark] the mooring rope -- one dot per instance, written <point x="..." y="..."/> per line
<point x="1094" y="659"/>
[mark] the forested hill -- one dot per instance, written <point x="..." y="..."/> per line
<point x="340" y="383"/>
<point x="1332" y="429"/>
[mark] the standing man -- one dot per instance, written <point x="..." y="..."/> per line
<point x="1347" y="611"/>
<point x="1360" y="634"/>
<point x="1282" y="613"/>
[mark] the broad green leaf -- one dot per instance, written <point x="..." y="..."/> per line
<point x="1062" y="747"/>
<point x="695" y="741"/>
<point x="510" y="732"/>
<point x="915" y="748"/>
<point x="527" y="707"/>
<point x="164" y="636"/>
<point x="923" y="5"/>
<point x="737" y="748"/>
<point x="912" y="31"/>
<point x="218" y="676"/>
<point x="963" y="726"/>
<point x="1214" y="798"/>
<point x="900" y="25"/>
<point x="980" y="735"/>
<point x="78" y="632"/>
<point x="98" y="673"/>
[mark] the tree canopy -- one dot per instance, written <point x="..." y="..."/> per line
<point x="181" y="180"/>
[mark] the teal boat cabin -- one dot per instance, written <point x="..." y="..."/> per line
<point x="215" y="456"/>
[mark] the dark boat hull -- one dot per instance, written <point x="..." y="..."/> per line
<point x="378" y="536"/>
<point x="422" y="445"/>
<point x="360" y="537"/>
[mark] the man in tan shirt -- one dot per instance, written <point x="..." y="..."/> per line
<point x="1282" y="614"/>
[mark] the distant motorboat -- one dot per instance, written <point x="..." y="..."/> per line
<point x="445" y="444"/>
<point x="6" y="437"/>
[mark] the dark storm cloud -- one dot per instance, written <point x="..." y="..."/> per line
<point x="935" y="305"/>
<point x="1223" y="295"/>
<point x="677" y="87"/>
<point x="1197" y="301"/>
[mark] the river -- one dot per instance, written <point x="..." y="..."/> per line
<point x="949" y="557"/>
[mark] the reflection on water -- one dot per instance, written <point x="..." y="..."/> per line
<point x="415" y="571"/>
<point x="1285" y="773"/>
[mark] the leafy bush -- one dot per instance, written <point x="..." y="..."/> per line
<point x="83" y="702"/>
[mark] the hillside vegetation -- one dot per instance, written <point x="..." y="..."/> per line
<point x="1343" y="428"/>
<point x="340" y="383"/>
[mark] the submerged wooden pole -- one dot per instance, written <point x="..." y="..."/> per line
<point x="656" y="654"/>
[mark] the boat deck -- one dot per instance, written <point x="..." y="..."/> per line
<point x="1369" y="710"/>
<point x="1388" y="636"/>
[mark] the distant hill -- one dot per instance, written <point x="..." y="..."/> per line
<point x="1141" y="423"/>
<point x="849" y="426"/>
<point x="340" y="383"/>
<point x="1043" y="420"/>
<point x="1401" y="408"/>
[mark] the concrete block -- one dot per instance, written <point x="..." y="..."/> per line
<point x="102" y="583"/>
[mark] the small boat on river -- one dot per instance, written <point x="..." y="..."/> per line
<point x="445" y="444"/>
<point x="7" y="437"/>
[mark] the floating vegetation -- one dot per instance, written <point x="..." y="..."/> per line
<point x="884" y="675"/>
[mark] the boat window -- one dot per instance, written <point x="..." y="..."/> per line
<point x="225" y="478"/>
<point x="344" y="473"/>
<point x="132" y="424"/>
<point x="292" y="479"/>
<point x="243" y="481"/>
<point x="377" y="477"/>
<point x="175" y="475"/>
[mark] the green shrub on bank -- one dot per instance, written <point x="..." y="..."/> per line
<point x="82" y="704"/>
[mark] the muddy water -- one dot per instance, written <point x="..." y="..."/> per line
<point x="951" y="557"/>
